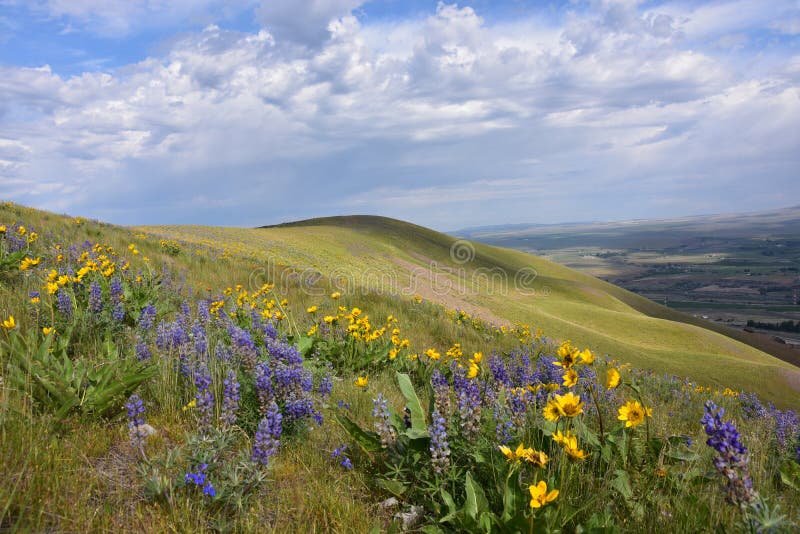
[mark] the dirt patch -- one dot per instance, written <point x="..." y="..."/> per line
<point x="425" y="282"/>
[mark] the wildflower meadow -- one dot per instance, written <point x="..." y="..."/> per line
<point x="149" y="386"/>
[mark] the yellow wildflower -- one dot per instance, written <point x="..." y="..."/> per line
<point x="47" y="331"/>
<point x="3" y="228"/>
<point x="329" y="319"/>
<point x="192" y="404"/>
<point x="473" y="370"/>
<point x="569" y="404"/>
<point x="335" y="295"/>
<point x="570" y="378"/>
<point x="586" y="357"/>
<point x="393" y="353"/>
<point x="540" y="496"/>
<point x="27" y="263"/>
<point x="361" y="381"/>
<point x="568" y="354"/>
<point x="10" y="324"/>
<point x="32" y="237"/>
<point x="312" y="331"/>
<point x="612" y="378"/>
<point x="551" y="411"/>
<point x="432" y="354"/>
<point x="633" y="413"/>
<point x="311" y="309"/>
<point x="477" y="357"/>
<point x="21" y="230"/>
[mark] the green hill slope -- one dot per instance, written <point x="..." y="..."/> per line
<point x="360" y="253"/>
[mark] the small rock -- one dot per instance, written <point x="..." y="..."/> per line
<point x="391" y="502"/>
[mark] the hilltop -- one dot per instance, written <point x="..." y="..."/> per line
<point x="503" y="286"/>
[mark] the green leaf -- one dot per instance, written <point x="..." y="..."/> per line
<point x="418" y="424"/>
<point x="514" y="501"/>
<point x="790" y="474"/>
<point x="452" y="510"/>
<point x="395" y="487"/>
<point x="369" y="441"/>
<point x="476" y="502"/>
<point x="622" y="484"/>
<point x="305" y="345"/>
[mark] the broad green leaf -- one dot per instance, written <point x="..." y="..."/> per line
<point x="418" y="424"/>
<point x="369" y="441"/>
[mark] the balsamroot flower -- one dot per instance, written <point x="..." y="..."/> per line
<point x="569" y="404"/>
<point x="633" y="413"/>
<point x="540" y="496"/>
<point x="612" y="378"/>
<point x="731" y="459"/>
<point x="570" y="443"/>
<point x="570" y="378"/>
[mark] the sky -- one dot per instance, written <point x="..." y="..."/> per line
<point x="449" y="115"/>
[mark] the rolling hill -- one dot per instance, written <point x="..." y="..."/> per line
<point x="397" y="259"/>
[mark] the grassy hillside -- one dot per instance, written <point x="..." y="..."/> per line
<point x="400" y="258"/>
<point x="293" y="379"/>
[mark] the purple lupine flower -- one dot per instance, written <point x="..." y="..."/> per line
<point x="264" y="390"/>
<point x="34" y="295"/>
<point x="786" y="427"/>
<point x="468" y="399"/>
<point x="344" y="405"/>
<point x="64" y="303"/>
<point x="288" y="354"/>
<point x="142" y="350"/>
<point x="200" y="340"/>
<point x="222" y="352"/>
<point x="202" y="311"/>
<point x="325" y="386"/>
<point x="136" y="428"/>
<point x="383" y="425"/>
<point x="95" y="297"/>
<point x="499" y="371"/>
<point x="118" y="313"/>
<point x="199" y="479"/>
<point x="298" y="408"/>
<point x="441" y="392"/>
<point x="751" y="406"/>
<point x="270" y="332"/>
<point x="731" y="459"/>
<point x="230" y="399"/>
<point x="340" y="452"/>
<point x="205" y="399"/>
<point x="147" y="317"/>
<point x="267" y="439"/>
<point x="245" y="347"/>
<point x="115" y="289"/>
<point x="440" y="447"/>
<point x="504" y="427"/>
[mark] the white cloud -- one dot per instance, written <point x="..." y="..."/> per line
<point x="404" y="115"/>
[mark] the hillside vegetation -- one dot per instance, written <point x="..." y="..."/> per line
<point x="293" y="379"/>
<point x="562" y="302"/>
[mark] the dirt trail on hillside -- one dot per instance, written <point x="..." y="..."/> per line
<point x="429" y="286"/>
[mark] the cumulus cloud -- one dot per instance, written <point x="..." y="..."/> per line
<point x="454" y="119"/>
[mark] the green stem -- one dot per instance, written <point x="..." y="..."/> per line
<point x="599" y="413"/>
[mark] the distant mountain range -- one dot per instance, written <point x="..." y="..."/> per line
<point x="640" y="233"/>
